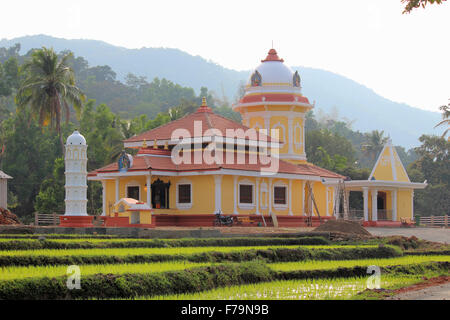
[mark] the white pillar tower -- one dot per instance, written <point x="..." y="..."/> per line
<point x="76" y="173"/>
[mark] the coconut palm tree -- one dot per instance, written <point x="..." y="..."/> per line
<point x="374" y="144"/>
<point x="445" y="118"/>
<point x="49" y="89"/>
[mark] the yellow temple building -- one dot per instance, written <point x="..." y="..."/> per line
<point x="188" y="170"/>
<point x="391" y="199"/>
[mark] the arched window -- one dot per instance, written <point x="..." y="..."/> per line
<point x="264" y="195"/>
<point x="281" y="133"/>
<point x="298" y="139"/>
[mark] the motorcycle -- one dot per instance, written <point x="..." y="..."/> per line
<point x="222" y="220"/>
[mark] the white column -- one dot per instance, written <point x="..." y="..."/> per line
<point x="218" y="193"/>
<point x="149" y="190"/>
<point x="270" y="196"/>
<point x="374" y="205"/>
<point x="394" y="204"/>
<point x="338" y="203"/>
<point x="103" y="198"/>
<point x="235" y="195"/>
<point x="117" y="189"/>
<point x="412" y="204"/>
<point x="267" y="124"/>
<point x="290" y="197"/>
<point x="334" y="201"/>
<point x="257" y="195"/>
<point x="303" y="197"/>
<point x="366" y="203"/>
<point x="291" y="136"/>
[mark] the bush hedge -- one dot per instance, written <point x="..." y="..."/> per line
<point x="187" y="281"/>
<point x="29" y="244"/>
<point x="269" y="255"/>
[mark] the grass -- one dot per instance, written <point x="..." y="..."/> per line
<point x="324" y="265"/>
<point x="310" y="289"/>
<point x="155" y="251"/>
<point x="11" y="273"/>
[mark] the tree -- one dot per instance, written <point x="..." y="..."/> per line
<point x="29" y="157"/>
<point x="49" y="89"/>
<point x="433" y="165"/>
<point x="374" y="144"/>
<point x="329" y="150"/>
<point x="51" y="195"/>
<point x="412" y="4"/>
<point x="445" y="119"/>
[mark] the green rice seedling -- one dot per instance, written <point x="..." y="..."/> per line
<point x="309" y="289"/>
<point x="12" y="273"/>
<point x="141" y="251"/>
<point x="324" y="265"/>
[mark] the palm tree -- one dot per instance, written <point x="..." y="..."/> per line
<point x="49" y="88"/>
<point x="445" y="118"/>
<point x="374" y="144"/>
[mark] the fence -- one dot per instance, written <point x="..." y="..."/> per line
<point x="384" y="215"/>
<point x="46" y="218"/>
<point x="435" y="221"/>
<point x="358" y="215"/>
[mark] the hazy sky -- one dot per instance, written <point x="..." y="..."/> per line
<point x="402" y="57"/>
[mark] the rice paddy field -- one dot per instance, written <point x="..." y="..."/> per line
<point x="207" y="269"/>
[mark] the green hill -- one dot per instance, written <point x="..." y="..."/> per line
<point x="331" y="92"/>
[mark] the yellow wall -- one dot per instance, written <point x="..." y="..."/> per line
<point x="256" y="122"/>
<point x="203" y="195"/>
<point x="283" y="134"/>
<point x="383" y="170"/>
<point x="404" y="204"/>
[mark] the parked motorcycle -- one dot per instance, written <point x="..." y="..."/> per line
<point x="222" y="220"/>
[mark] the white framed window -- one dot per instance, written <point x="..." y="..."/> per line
<point x="298" y="139"/>
<point x="264" y="195"/>
<point x="133" y="190"/>
<point x="184" y="194"/>
<point x="246" y="194"/>
<point x="282" y="133"/>
<point x="280" y="195"/>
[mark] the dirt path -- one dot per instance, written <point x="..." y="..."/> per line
<point x="431" y="234"/>
<point x="434" y="290"/>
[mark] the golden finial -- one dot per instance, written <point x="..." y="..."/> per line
<point x="166" y="146"/>
<point x="144" y="144"/>
<point x="204" y="102"/>
<point x="155" y="145"/>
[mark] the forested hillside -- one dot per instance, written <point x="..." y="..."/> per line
<point x="333" y="93"/>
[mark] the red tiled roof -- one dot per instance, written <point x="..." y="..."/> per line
<point x="154" y="162"/>
<point x="318" y="171"/>
<point x="208" y="119"/>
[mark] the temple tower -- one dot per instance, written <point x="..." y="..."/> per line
<point x="76" y="173"/>
<point x="273" y="100"/>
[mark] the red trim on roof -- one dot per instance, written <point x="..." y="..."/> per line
<point x="151" y="150"/>
<point x="158" y="163"/>
<point x="274" y="97"/>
